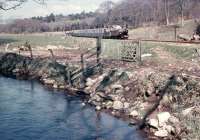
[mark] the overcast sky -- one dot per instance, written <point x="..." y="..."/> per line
<point x="64" y="7"/>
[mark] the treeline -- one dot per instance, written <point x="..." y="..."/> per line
<point x="134" y="13"/>
<point x="144" y="12"/>
<point x="50" y="23"/>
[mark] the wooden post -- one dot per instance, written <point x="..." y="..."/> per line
<point x="52" y="55"/>
<point x="175" y="33"/>
<point x="30" y="50"/>
<point x="139" y="52"/>
<point x="83" y="69"/>
<point x="69" y="77"/>
<point x="82" y="63"/>
<point x="98" y="49"/>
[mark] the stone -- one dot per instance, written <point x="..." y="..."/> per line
<point x="134" y="113"/>
<point x="127" y="89"/>
<point x="161" y="133"/>
<point x="119" y="91"/>
<point x="97" y="98"/>
<point x="123" y="99"/>
<point x="187" y="111"/>
<point x="49" y="81"/>
<point x="100" y="78"/>
<point x="153" y="123"/>
<point x="98" y="108"/>
<point x="150" y="88"/>
<point x="55" y="86"/>
<point x="163" y="117"/>
<point x="87" y="89"/>
<point x="114" y="97"/>
<point x="109" y="105"/>
<point x="169" y="129"/>
<point x="165" y="99"/>
<point x="101" y="94"/>
<point x="117" y="105"/>
<point x="126" y="105"/>
<point x="89" y="82"/>
<point x="62" y="87"/>
<point x="83" y="104"/>
<point x="173" y="120"/>
<point x="117" y="87"/>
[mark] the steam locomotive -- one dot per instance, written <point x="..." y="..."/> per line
<point x="114" y="32"/>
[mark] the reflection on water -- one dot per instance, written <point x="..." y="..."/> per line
<point x="29" y="111"/>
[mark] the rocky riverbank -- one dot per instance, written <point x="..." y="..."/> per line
<point x="167" y="105"/>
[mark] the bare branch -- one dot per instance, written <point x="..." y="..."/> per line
<point x="13" y="4"/>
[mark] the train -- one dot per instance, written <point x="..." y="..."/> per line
<point x="113" y="32"/>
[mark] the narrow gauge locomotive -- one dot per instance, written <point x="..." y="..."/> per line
<point x="114" y="32"/>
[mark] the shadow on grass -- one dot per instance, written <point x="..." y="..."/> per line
<point x="4" y="41"/>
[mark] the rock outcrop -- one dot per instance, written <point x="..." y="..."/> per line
<point x="45" y="70"/>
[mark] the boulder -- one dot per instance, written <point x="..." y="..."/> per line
<point x="101" y="94"/>
<point x="89" y="82"/>
<point x="119" y="91"/>
<point x="173" y="120"/>
<point x="187" y="111"/>
<point x="117" y="87"/>
<point x="117" y="105"/>
<point x="55" y="86"/>
<point x="96" y="97"/>
<point x="126" y="105"/>
<point x="109" y="104"/>
<point x="161" y="133"/>
<point x="98" y="108"/>
<point x="169" y="129"/>
<point x="127" y="89"/>
<point x="49" y="81"/>
<point x="150" y="88"/>
<point x="163" y="118"/>
<point x="153" y="123"/>
<point x="134" y="113"/>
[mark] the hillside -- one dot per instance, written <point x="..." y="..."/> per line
<point x="163" y="32"/>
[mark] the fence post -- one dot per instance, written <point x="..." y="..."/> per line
<point x="83" y="69"/>
<point x="98" y="49"/>
<point x="139" y="52"/>
<point x="30" y="50"/>
<point x="52" y="55"/>
<point x="69" y="77"/>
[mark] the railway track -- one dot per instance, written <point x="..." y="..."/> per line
<point x="166" y="41"/>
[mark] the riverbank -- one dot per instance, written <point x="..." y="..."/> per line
<point x="167" y="105"/>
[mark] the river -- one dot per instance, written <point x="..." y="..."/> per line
<point x="29" y="111"/>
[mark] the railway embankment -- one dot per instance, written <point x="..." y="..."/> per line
<point x="166" y="105"/>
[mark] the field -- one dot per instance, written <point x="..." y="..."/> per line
<point x="162" y="56"/>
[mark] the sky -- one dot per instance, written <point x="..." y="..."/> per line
<point x="65" y="7"/>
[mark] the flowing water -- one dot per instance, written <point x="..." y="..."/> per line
<point x="28" y="111"/>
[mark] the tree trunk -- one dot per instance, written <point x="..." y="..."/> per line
<point x="181" y="7"/>
<point x="166" y="12"/>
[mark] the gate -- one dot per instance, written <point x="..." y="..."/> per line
<point x="131" y="51"/>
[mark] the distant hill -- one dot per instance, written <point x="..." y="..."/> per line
<point x="134" y="13"/>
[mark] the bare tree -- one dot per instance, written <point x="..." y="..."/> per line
<point x="13" y="4"/>
<point x="166" y="3"/>
<point x="181" y="5"/>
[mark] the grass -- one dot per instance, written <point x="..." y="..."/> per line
<point x="110" y="48"/>
<point x="46" y="39"/>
